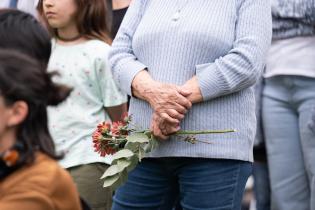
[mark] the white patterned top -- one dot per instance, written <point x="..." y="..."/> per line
<point x="85" y="68"/>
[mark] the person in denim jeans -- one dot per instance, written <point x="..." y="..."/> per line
<point x="288" y="105"/>
<point x="188" y="67"/>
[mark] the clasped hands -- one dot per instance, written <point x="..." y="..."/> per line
<point x="169" y="102"/>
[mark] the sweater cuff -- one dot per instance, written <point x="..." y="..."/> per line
<point x="209" y="81"/>
<point x="128" y="71"/>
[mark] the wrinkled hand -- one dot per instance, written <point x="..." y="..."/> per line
<point x="169" y="102"/>
<point x="170" y="105"/>
<point x="161" y="128"/>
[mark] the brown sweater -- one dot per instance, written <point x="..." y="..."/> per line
<point x="43" y="185"/>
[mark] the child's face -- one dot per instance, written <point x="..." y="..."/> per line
<point x="60" y="13"/>
<point x="10" y="117"/>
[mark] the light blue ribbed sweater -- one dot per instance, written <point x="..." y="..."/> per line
<point x="223" y="42"/>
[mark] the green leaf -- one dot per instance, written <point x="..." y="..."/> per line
<point x="110" y="181"/>
<point x="148" y="133"/>
<point x="132" y="146"/>
<point x="123" y="176"/>
<point x="141" y="153"/>
<point x="112" y="170"/>
<point x="153" y="144"/>
<point x="129" y="163"/>
<point x="125" y="153"/>
<point x="123" y="163"/>
<point x="133" y="163"/>
<point x="138" y="138"/>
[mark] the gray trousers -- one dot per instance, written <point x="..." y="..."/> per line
<point x="288" y="107"/>
<point x="90" y="186"/>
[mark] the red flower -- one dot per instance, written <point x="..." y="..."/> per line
<point x="103" y="140"/>
<point x="104" y="127"/>
<point x="101" y="144"/>
<point x="116" y="129"/>
<point x="97" y="136"/>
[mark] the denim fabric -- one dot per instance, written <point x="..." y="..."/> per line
<point x="200" y="184"/>
<point x="288" y="103"/>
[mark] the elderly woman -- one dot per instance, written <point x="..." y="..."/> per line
<point x="288" y="104"/>
<point x="190" y="65"/>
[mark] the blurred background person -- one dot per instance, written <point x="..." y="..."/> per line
<point x="22" y="32"/>
<point x="116" y="10"/>
<point x="119" y="8"/>
<point x="33" y="157"/>
<point x="288" y="104"/>
<point x="28" y="164"/>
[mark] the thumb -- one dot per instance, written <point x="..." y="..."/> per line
<point x="184" y="91"/>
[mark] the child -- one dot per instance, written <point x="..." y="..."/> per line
<point x="80" y="47"/>
<point x="30" y="178"/>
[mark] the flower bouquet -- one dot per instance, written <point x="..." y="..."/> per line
<point x="128" y="145"/>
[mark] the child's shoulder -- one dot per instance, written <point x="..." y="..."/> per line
<point x="97" y="50"/>
<point x="97" y="46"/>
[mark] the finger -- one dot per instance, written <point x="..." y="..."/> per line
<point x="158" y="133"/>
<point x="163" y="128"/>
<point x="185" y="92"/>
<point x="166" y="118"/>
<point x="176" y="106"/>
<point x="152" y="125"/>
<point x="171" y="129"/>
<point x="167" y="128"/>
<point x="183" y="101"/>
<point x="154" y="129"/>
<point x="175" y="114"/>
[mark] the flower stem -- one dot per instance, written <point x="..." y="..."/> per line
<point x="204" y="132"/>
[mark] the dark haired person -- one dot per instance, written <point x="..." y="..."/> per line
<point x="30" y="177"/>
<point x="22" y="32"/>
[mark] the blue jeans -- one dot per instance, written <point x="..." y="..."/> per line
<point x="199" y="184"/>
<point x="288" y="106"/>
